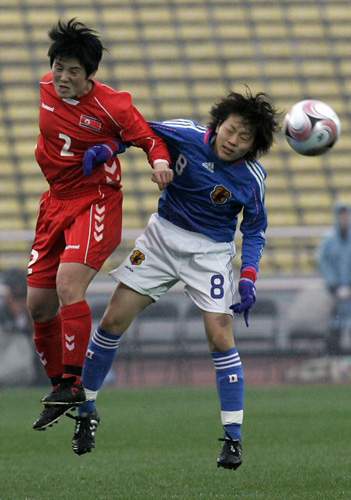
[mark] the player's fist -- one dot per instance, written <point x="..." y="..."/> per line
<point x="96" y="155"/>
<point x="162" y="174"/>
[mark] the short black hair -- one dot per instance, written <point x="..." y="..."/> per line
<point x="256" y="111"/>
<point x="74" y="39"/>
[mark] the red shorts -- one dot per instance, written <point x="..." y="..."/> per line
<point x="84" y="230"/>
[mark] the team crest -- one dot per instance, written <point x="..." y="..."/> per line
<point x="220" y="195"/>
<point x="137" y="258"/>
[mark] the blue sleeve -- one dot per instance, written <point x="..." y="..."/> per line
<point x="164" y="130"/>
<point x="253" y="228"/>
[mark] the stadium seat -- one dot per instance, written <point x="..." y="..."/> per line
<point x="34" y="186"/>
<point x="177" y="109"/>
<point x="280" y="200"/>
<point x="40" y="16"/>
<point x="283" y="218"/>
<point x="193" y="15"/>
<point x="193" y="336"/>
<point x="11" y="223"/>
<point x="222" y="15"/>
<point x="130" y="54"/>
<point x="9" y="74"/>
<point x="167" y="70"/>
<point x="177" y="59"/>
<point x="339" y="30"/>
<point x="166" y="32"/>
<point x="11" y="17"/>
<point x="169" y="91"/>
<point x="29" y="167"/>
<point x="124" y="34"/>
<point x="156" y="329"/>
<point x="282" y="51"/>
<point x="271" y="30"/>
<point x="262" y="335"/>
<point x="9" y="206"/>
<point x="209" y="91"/>
<point x="340" y="180"/>
<point x="160" y="16"/>
<point x="155" y="335"/>
<point x="242" y="70"/>
<point x="21" y="93"/>
<point x="117" y="17"/>
<point x="8" y="186"/>
<point x="125" y="71"/>
<point x="165" y="51"/>
<point x="314" y="200"/>
<point x="199" y="51"/>
<point x="338" y="13"/>
<point x="15" y="54"/>
<point x="278" y="182"/>
<point x="130" y="205"/>
<point x="318" y="217"/>
<point x="312" y="181"/>
<point x="226" y="32"/>
<point x="305" y="163"/>
<point x="274" y="69"/>
<point x="308" y="329"/>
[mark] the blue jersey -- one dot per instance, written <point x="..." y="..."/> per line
<point x="207" y="194"/>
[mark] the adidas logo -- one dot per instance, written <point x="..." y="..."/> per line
<point x="209" y="165"/>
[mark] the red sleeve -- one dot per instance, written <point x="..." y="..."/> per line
<point x="136" y="130"/>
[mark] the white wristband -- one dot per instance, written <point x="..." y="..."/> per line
<point x="159" y="161"/>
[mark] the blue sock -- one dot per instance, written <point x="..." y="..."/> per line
<point x="231" y="388"/>
<point x="100" y="356"/>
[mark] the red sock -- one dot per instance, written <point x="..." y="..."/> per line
<point x="48" y="342"/>
<point x="76" y="328"/>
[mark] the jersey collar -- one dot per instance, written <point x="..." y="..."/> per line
<point x="75" y="102"/>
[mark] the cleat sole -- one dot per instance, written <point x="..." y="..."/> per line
<point x="63" y="403"/>
<point x="55" y="421"/>
<point x="228" y="466"/>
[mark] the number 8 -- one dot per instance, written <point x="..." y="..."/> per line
<point x="180" y="164"/>
<point x="217" y="282"/>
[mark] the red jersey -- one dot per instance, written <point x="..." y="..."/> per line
<point x="68" y="127"/>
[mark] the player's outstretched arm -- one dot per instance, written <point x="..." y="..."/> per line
<point x="96" y="155"/>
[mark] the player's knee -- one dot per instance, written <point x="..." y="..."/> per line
<point x="114" y="321"/>
<point x="220" y="343"/>
<point x="42" y="304"/>
<point x="68" y="290"/>
<point x="41" y="312"/>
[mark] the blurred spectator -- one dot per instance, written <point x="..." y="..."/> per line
<point x="335" y="267"/>
<point x="17" y="356"/>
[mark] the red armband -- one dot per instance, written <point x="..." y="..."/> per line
<point x="249" y="273"/>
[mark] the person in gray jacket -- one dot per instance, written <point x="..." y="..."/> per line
<point x="334" y="259"/>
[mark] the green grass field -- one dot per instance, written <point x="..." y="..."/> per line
<point x="160" y="444"/>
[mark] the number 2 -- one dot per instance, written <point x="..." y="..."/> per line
<point x="65" y="148"/>
<point x="35" y="256"/>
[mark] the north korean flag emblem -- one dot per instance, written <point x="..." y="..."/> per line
<point x="89" y="122"/>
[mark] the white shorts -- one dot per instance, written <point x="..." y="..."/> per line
<point x="165" y="254"/>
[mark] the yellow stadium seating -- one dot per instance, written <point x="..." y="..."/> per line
<point x="177" y="59"/>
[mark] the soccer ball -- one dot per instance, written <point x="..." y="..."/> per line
<point x="311" y="127"/>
